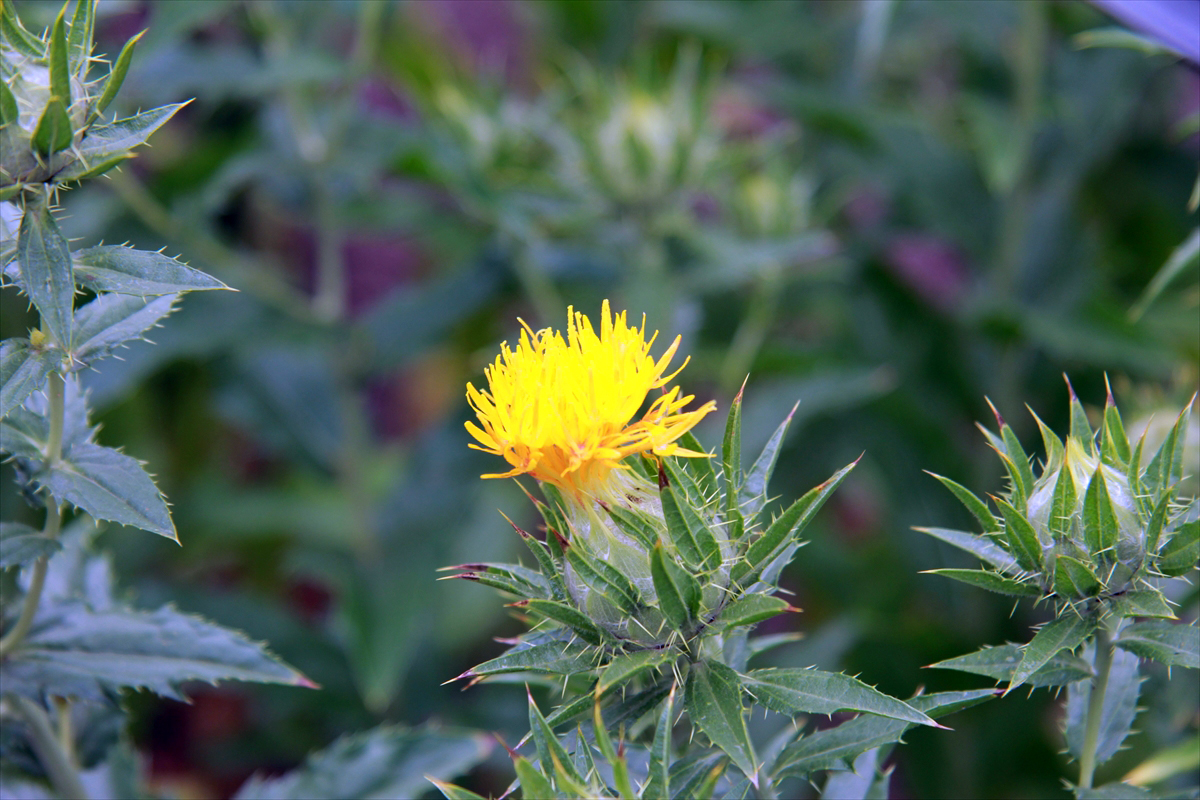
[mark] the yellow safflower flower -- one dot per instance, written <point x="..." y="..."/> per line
<point x="561" y="409"/>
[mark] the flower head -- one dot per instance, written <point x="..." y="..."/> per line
<point x="562" y="410"/>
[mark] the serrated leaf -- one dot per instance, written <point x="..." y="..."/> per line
<point x="1114" y="441"/>
<point x="24" y="433"/>
<point x="1062" y="505"/>
<point x="731" y="466"/>
<point x="1166" y="468"/>
<point x="60" y="72"/>
<point x="53" y="133"/>
<point x="635" y="524"/>
<point x="550" y="750"/>
<point x="1021" y="537"/>
<point x="104" y="143"/>
<point x="1100" y="528"/>
<point x="1117" y="713"/>
<point x="658" y="779"/>
<point x="125" y="270"/>
<point x="79" y="37"/>
<point x="21" y="544"/>
<point x="46" y="270"/>
<point x="1063" y="633"/>
<point x="979" y="546"/>
<point x="111" y="320"/>
<point x="785" y="528"/>
<point x="688" y="532"/>
<point x="1181" y="552"/>
<point x="111" y="486"/>
<point x="812" y="691"/>
<point x="74" y="650"/>
<point x="1081" y="429"/>
<point x="561" y="658"/>
<point x="116" y="76"/>
<point x="750" y="609"/>
<point x="1074" y="579"/>
<point x="614" y="585"/>
<point x="1023" y="474"/>
<point x="678" y="590"/>
<point x="567" y="615"/>
<point x="976" y="506"/>
<point x="385" y="762"/>
<point x="626" y="666"/>
<point x="985" y="579"/>
<point x="533" y="782"/>
<point x="835" y="748"/>
<point x="23" y="371"/>
<point x="1001" y="662"/>
<point x="714" y="703"/>
<point x="1141" y="603"/>
<point x="752" y="493"/>
<point x="1172" y="644"/>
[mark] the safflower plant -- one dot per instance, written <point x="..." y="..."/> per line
<point x="659" y="559"/>
<point x="1098" y="535"/>
<point x="71" y="643"/>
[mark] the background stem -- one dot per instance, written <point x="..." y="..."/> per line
<point x="63" y="776"/>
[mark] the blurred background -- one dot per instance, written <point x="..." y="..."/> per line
<point x="886" y="210"/>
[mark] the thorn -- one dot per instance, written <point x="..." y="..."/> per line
<point x="468" y="674"/>
<point x="1108" y="400"/>
<point x="738" y="399"/>
<point x="561" y="539"/>
<point x="999" y="419"/>
<point x="1070" y="388"/>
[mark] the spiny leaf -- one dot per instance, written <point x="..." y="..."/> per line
<point x="16" y="35"/>
<point x="786" y="527"/>
<point x="980" y="546"/>
<point x="678" y="591"/>
<point x="1100" y="529"/>
<point x="658" y="782"/>
<point x="1081" y="429"/>
<point x="53" y="133"/>
<point x="688" y="530"/>
<point x="1166" y="468"/>
<point x="549" y="567"/>
<point x="985" y="579"/>
<point x="1181" y="552"/>
<point x="1117" y="712"/>
<point x="23" y="370"/>
<point x="46" y="269"/>
<point x="635" y="524"/>
<point x="1001" y="662"/>
<point x="1158" y="519"/>
<point x="714" y="703"/>
<point x="550" y="750"/>
<point x="116" y="76"/>
<point x="976" y="506"/>
<point x="567" y="615"/>
<point x="1050" y="443"/>
<point x="79" y="37"/>
<point x="533" y="782"/>
<point x="1021" y="537"/>
<point x="1023" y="475"/>
<point x="752" y="494"/>
<point x="112" y="320"/>
<point x="626" y="666"/>
<point x="137" y="272"/>
<point x="812" y="691"/>
<point x="731" y="458"/>
<point x="1114" y="445"/>
<point x="104" y="143"/>
<point x="1062" y="505"/>
<point x="750" y="609"/>
<point x="1167" y="642"/>
<point x="1074" y="579"/>
<point x="606" y="580"/>
<point x="562" y="658"/>
<point x="1063" y="633"/>
<point x="60" y="73"/>
<point x="1141" y="603"/>
<point x="111" y="486"/>
<point x="701" y="470"/>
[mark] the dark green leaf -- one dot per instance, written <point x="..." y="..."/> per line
<point x="1117" y="713"/>
<point x="981" y="547"/>
<point x="1063" y="633"/>
<point x="625" y="666"/>
<point x="533" y="782"/>
<point x="137" y="272"/>
<point x="567" y="615"/>
<point x="658" y="781"/>
<point x="74" y="649"/>
<point x="16" y="35"/>
<point x="750" y="609"/>
<point x="385" y="762"/>
<point x="104" y="143"/>
<point x="1158" y="519"/>
<point x="110" y="486"/>
<point x="550" y="750"/>
<point x="46" y="270"/>
<point x="112" y="320"/>
<point x="605" y="579"/>
<point x="1023" y="475"/>
<point x="1062" y="505"/>
<point x="677" y="589"/>
<point x="512" y="578"/>
<point x="1081" y="429"/>
<point x="1166" y="468"/>
<point x="993" y="582"/>
<point x="563" y="658"/>
<point x="731" y="466"/>
<point x="636" y="524"/>
<point x="53" y="133"/>
<point x="1141" y="603"/>
<point x="8" y="105"/>
<point x="835" y="748"/>
<point x="60" y="72"/>
<point x="701" y="470"/>
<point x="1114" y="445"/>
<point x="714" y="703"/>
<point x="21" y="544"/>
<point x="1100" y="529"/>
<point x="79" y="37"/>
<point x="786" y="527"/>
<point x="1170" y="643"/>
<point x="1181" y="552"/>
<point x="688" y="530"/>
<point x="812" y="691"/>
<point x="23" y="371"/>
<point x="1001" y="662"/>
<point x="548" y="566"/>
<point x="752" y="494"/>
<point x="1051" y="443"/>
<point x="116" y="76"/>
<point x="1074" y="579"/>
<point x="973" y="503"/>
<point x="1021" y="537"/>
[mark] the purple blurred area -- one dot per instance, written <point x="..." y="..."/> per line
<point x="1175" y="24"/>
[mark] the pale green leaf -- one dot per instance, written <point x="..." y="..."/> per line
<point x="111" y="486"/>
<point x="658" y="782"/>
<point x="137" y="272"/>
<point x="714" y="703"/>
<point x="116" y="76"/>
<point x="626" y="666"/>
<point x="752" y="493"/>
<point x="104" y="143"/>
<point x="383" y="763"/>
<point x="1175" y="645"/>
<point x="563" y="658"/>
<point x="750" y="609"/>
<point x="1001" y="662"/>
<point x="985" y="579"/>
<point x="1100" y="529"/>
<point x="981" y="547"/>
<point x="53" y="133"/>
<point x="1063" y="633"/>
<point x="23" y="371"/>
<point x="46" y="270"/>
<point x="112" y="320"/>
<point x="21" y="544"/>
<point x="79" y="37"/>
<point x="60" y="71"/>
<point x="813" y="691"/>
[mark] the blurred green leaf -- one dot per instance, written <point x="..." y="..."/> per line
<point x="385" y="762"/>
<point x="1000" y="663"/>
<point x="993" y="582"/>
<point x="1182" y="551"/>
<point x="1169" y="643"/>
<point x="1117" y="713"/>
<point x="23" y="370"/>
<point x="21" y="544"/>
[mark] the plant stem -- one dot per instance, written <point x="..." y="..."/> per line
<point x="55" y="393"/>
<point x="63" y="776"/>
<point x="755" y="326"/>
<point x="1091" y="736"/>
<point x="66" y="732"/>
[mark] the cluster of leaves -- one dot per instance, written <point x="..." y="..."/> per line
<point x="631" y="685"/>
<point x="1102" y="556"/>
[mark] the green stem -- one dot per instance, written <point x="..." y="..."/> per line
<point x="63" y="776"/>
<point x="753" y="330"/>
<point x="1095" y="710"/>
<point x="66" y="732"/>
<point x="55" y="391"/>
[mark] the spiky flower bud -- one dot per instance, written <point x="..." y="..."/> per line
<point x="51" y="125"/>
